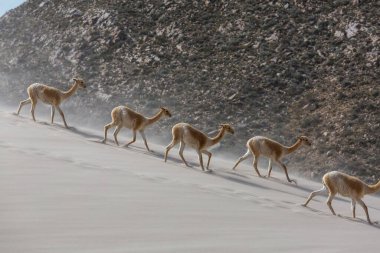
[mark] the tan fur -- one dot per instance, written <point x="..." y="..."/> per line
<point x="52" y="95"/>
<point x="49" y="95"/>
<point x="189" y="135"/>
<point x="200" y="137"/>
<point x="276" y="150"/>
<point x="347" y="186"/>
<point x="122" y="116"/>
<point x="262" y="146"/>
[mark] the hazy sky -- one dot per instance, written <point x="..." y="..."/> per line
<point x="6" y="5"/>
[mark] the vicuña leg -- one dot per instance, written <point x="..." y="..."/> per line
<point x="245" y="156"/>
<point x="62" y="115"/>
<point x="209" y="154"/>
<point x="170" y="146"/>
<point x="255" y="162"/>
<point x="200" y="159"/>
<point x="269" y="168"/>
<point x="106" y="127"/>
<point x="353" y="207"/>
<point x="313" y="194"/>
<point x="22" y="103"/>
<point x="286" y="173"/>
<point x="52" y="114"/>
<point x="116" y="132"/>
<point x="365" y="209"/>
<point x="144" y="138"/>
<point x="181" y="148"/>
<point x="329" y="200"/>
<point x="33" y="107"/>
<point x="133" y="138"/>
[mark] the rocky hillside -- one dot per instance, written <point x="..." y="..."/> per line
<point x="273" y="68"/>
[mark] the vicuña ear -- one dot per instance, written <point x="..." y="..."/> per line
<point x="75" y="79"/>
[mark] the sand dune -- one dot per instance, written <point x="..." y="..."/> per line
<point x="63" y="191"/>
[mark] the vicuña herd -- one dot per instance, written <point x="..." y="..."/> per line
<point x="187" y="135"/>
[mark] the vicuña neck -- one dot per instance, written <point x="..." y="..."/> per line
<point x="71" y="91"/>
<point x="373" y="188"/>
<point x="293" y="148"/>
<point x="218" y="137"/>
<point x="154" y="118"/>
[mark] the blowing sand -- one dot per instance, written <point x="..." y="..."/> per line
<point x="63" y="191"/>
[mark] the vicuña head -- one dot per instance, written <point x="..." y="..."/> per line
<point x="304" y="140"/>
<point x="166" y="112"/>
<point x="79" y="82"/>
<point x="227" y="128"/>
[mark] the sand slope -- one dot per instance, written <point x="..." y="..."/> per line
<point x="62" y="191"/>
